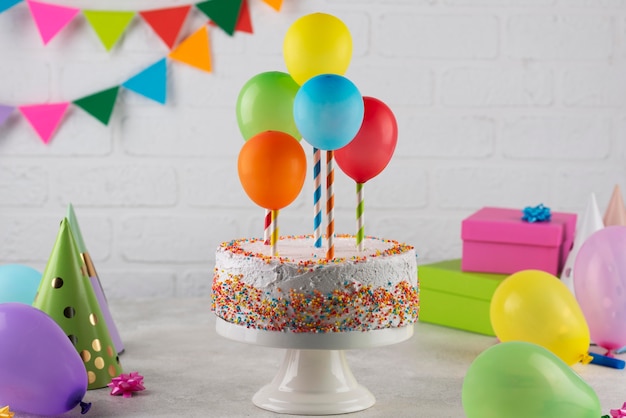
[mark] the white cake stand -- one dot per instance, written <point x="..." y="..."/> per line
<point x="314" y="378"/>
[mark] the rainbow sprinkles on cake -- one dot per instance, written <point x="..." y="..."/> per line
<point x="322" y="282"/>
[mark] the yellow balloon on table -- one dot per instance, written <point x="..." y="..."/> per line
<point x="317" y="43"/>
<point x="535" y="306"/>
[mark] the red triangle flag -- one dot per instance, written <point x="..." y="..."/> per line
<point x="167" y="23"/>
<point x="244" y="22"/>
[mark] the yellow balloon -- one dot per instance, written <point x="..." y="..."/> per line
<point x="317" y="43"/>
<point x="536" y="307"/>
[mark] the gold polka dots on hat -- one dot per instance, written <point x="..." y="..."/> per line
<point x="67" y="295"/>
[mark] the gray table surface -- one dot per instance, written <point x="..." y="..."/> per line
<point x="190" y="371"/>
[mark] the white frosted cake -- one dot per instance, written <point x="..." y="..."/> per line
<point x="300" y="291"/>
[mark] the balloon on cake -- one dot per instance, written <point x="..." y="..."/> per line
<point x="265" y="103"/>
<point x="309" y="52"/>
<point x="368" y="153"/>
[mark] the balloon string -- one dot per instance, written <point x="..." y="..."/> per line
<point x="330" y="206"/>
<point x="317" y="198"/>
<point x="360" y="217"/>
<point x="267" y="224"/>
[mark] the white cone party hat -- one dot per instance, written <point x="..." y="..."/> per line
<point x="589" y="223"/>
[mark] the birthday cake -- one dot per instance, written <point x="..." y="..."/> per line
<point x="302" y="291"/>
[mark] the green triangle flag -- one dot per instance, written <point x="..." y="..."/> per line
<point x="66" y="295"/>
<point x="224" y="13"/>
<point x="99" y="105"/>
<point x="109" y="25"/>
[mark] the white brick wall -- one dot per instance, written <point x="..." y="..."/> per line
<point x="499" y="102"/>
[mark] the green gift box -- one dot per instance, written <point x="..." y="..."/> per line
<point x="457" y="299"/>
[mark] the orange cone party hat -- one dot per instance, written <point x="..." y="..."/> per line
<point x="66" y="294"/>
<point x="615" y="212"/>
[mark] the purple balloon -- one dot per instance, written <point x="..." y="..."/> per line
<point x="42" y="373"/>
<point x="600" y="285"/>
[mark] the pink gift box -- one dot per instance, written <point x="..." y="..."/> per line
<point x="497" y="240"/>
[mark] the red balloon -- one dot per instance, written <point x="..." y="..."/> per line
<point x="371" y="149"/>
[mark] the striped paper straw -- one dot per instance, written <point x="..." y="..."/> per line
<point x="330" y="206"/>
<point x="317" y="198"/>
<point x="274" y="233"/>
<point x="360" y="217"/>
<point x="267" y="224"/>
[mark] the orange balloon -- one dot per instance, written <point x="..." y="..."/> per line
<point x="272" y="169"/>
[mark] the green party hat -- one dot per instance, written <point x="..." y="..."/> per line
<point x="94" y="279"/>
<point x="66" y="294"/>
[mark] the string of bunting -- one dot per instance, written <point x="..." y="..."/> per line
<point x="229" y="15"/>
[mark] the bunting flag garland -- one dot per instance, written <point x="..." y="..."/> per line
<point x="224" y="13"/>
<point x="109" y="25"/>
<point x="7" y="4"/>
<point x="151" y="82"/>
<point x="275" y="4"/>
<point x="50" y="19"/>
<point x="194" y="50"/>
<point x="99" y="105"/>
<point x="5" y="112"/>
<point x="166" y="23"/>
<point x="44" y="118"/>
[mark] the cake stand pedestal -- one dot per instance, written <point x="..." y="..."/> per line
<point x="314" y="378"/>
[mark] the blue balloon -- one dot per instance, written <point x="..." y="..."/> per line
<point x="328" y="110"/>
<point x="18" y="283"/>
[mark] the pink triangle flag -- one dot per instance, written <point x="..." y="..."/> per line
<point x="44" y="118"/>
<point x="50" y="18"/>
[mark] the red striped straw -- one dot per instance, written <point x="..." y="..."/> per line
<point x="268" y="223"/>
<point x="330" y="206"/>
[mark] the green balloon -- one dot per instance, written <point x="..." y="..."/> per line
<point x="265" y="103"/>
<point x="518" y="379"/>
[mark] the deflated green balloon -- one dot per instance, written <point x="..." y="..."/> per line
<point x="265" y="103"/>
<point x="518" y="379"/>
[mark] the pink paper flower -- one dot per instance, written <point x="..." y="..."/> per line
<point x="126" y="384"/>
<point x="617" y="413"/>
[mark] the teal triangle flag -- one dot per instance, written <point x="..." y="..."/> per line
<point x="151" y="82"/>
<point x="7" y="4"/>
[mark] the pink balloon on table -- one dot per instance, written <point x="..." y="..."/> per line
<point x="600" y="286"/>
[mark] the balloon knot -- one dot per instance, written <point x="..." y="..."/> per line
<point x="84" y="407"/>
<point x="586" y="358"/>
<point x="539" y="213"/>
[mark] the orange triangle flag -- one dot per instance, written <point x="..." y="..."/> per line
<point x="166" y="22"/>
<point x="275" y="4"/>
<point x="194" y="50"/>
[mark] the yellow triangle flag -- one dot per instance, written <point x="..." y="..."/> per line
<point x="275" y="4"/>
<point x="194" y="50"/>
